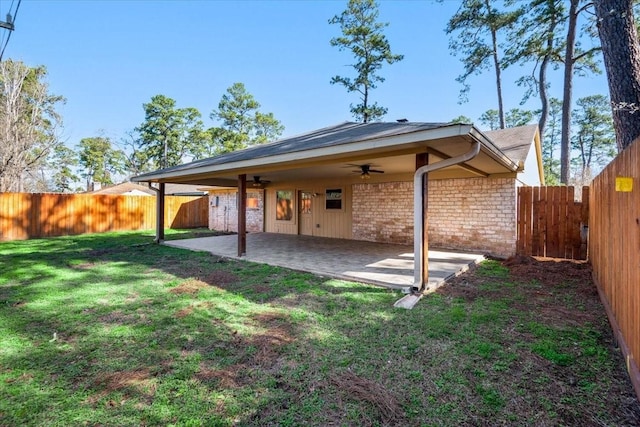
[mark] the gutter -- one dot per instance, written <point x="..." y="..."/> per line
<point x="418" y="211"/>
<point x="419" y="285"/>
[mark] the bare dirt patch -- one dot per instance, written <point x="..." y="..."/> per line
<point x="551" y="271"/>
<point x="219" y="278"/>
<point x="277" y="333"/>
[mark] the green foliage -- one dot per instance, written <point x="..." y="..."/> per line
<point x="243" y="125"/>
<point x="518" y="117"/>
<point x="169" y="134"/>
<point x="538" y="37"/>
<point x="462" y="120"/>
<point x="492" y="268"/>
<point x="362" y="35"/>
<point x="594" y="140"/>
<point x="477" y="24"/>
<point x="513" y="118"/>
<point x="551" y="142"/>
<point x="62" y="162"/>
<point x="490" y="119"/>
<point x="99" y="160"/>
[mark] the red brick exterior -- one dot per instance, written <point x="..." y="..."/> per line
<point x="223" y="211"/>
<point x="468" y="214"/>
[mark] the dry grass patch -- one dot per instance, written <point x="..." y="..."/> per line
<point x="134" y="383"/>
<point x="225" y="378"/>
<point x="184" y="312"/>
<point x="383" y="400"/>
<point x="189" y="286"/>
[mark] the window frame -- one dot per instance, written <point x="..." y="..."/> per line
<point x="292" y="205"/>
<point x="328" y="198"/>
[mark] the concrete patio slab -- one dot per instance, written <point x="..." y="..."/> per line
<point x="367" y="262"/>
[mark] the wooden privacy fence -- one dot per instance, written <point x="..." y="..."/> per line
<point x="26" y="215"/>
<point x="614" y="250"/>
<point x="551" y="223"/>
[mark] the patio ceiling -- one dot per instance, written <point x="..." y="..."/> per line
<point x="392" y="151"/>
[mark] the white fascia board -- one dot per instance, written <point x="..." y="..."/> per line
<point x="395" y="141"/>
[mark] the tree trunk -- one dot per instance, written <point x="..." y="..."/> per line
<point x="565" y="138"/>
<point x="542" y="78"/>
<point x="496" y="64"/>
<point x="544" y="99"/>
<point x="365" y="102"/>
<point x="621" y="52"/>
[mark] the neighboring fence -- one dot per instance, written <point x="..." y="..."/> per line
<point x="26" y="216"/>
<point x="614" y="250"/>
<point x="551" y="223"/>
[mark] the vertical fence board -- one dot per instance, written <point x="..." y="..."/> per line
<point x="542" y="219"/>
<point x="614" y="251"/>
<point x="535" y="226"/>
<point x="549" y="222"/>
<point x="520" y="223"/>
<point x="24" y="216"/>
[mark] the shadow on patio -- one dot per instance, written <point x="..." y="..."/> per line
<point x="367" y="262"/>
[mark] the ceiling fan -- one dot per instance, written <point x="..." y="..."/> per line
<point x="259" y="183"/>
<point x="366" y="171"/>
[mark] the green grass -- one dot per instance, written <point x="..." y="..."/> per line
<point x="113" y="330"/>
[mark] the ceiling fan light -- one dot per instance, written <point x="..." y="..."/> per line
<point x="365" y="176"/>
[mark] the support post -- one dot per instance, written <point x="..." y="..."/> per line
<point x="422" y="159"/>
<point x="242" y="215"/>
<point x="160" y="214"/>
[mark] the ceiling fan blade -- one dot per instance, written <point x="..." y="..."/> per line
<point x="375" y="171"/>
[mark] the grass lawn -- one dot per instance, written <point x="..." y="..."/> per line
<point x="112" y="330"/>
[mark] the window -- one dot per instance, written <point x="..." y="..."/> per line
<point x="333" y="198"/>
<point x="252" y="201"/>
<point x="284" y="205"/>
<point x="305" y="202"/>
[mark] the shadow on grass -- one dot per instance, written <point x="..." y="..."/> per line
<point x="113" y="323"/>
<point x="114" y="330"/>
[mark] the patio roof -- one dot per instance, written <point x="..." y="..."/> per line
<point x="329" y="151"/>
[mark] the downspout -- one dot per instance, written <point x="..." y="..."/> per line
<point x="418" y="211"/>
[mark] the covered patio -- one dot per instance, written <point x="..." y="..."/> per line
<point x="382" y="264"/>
<point x="325" y="187"/>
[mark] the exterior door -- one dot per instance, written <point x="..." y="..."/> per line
<point x="306" y="213"/>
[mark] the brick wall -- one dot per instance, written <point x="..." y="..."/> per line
<point x="383" y="212"/>
<point x="473" y="213"/>
<point x="223" y="211"/>
<point x="468" y="214"/>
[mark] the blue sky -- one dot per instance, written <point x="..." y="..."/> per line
<point x="109" y="57"/>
